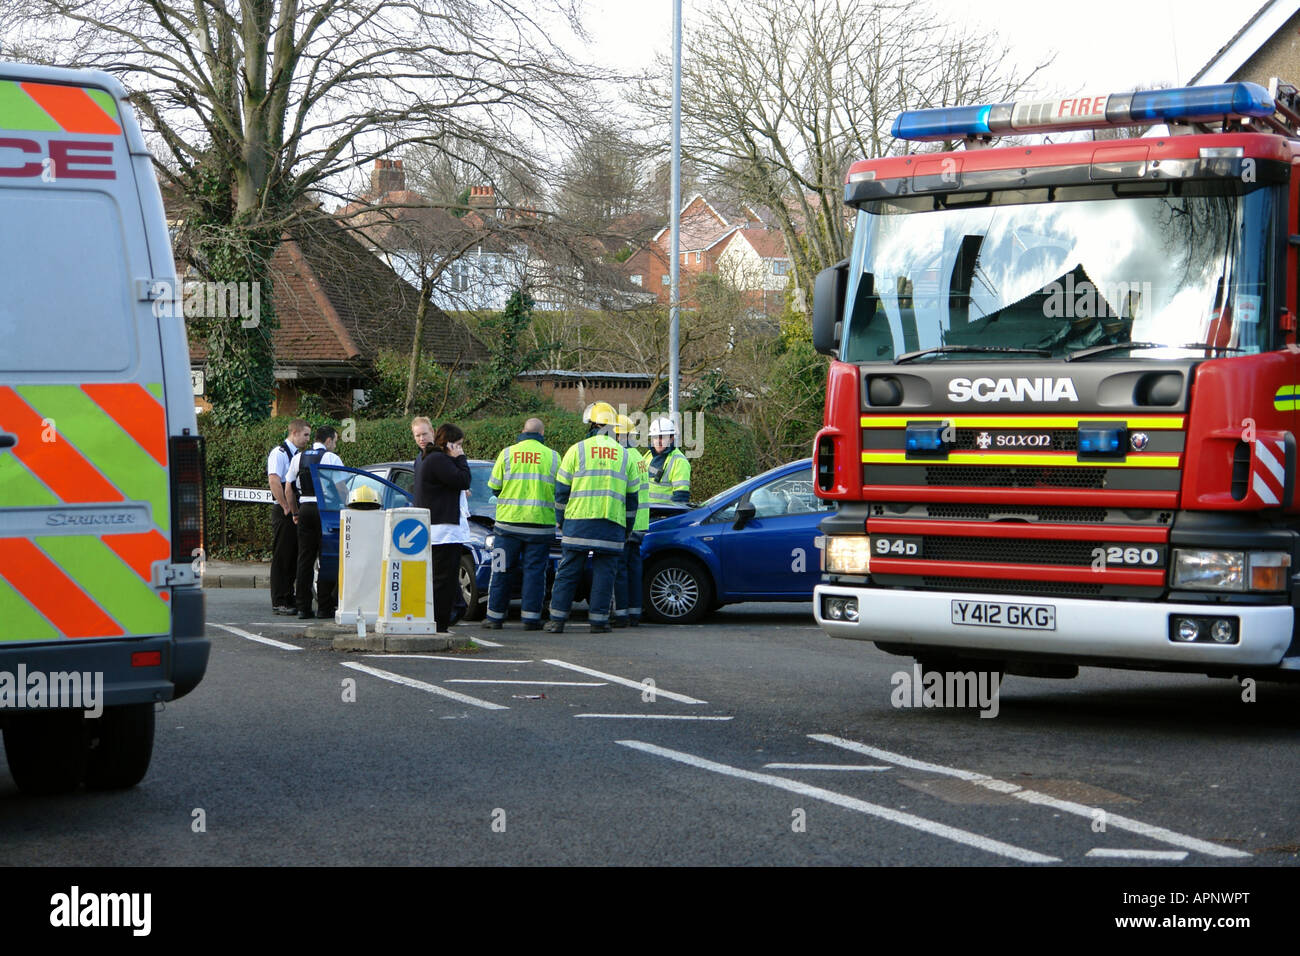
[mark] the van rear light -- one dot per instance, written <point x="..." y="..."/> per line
<point x="187" y="466"/>
<point x="146" y="659"/>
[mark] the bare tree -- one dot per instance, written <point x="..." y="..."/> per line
<point x="779" y="96"/>
<point x="255" y="105"/>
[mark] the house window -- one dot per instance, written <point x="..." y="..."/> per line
<point x="636" y="280"/>
<point x="698" y="257"/>
<point x="667" y="278"/>
<point x="780" y="267"/>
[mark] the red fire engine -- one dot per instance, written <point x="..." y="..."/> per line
<point x="1060" y="417"/>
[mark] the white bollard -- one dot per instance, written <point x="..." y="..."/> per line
<point x="407" y="580"/>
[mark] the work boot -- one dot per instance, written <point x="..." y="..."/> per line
<point x="532" y="625"/>
<point x="555" y="627"/>
<point x="491" y="625"/>
<point x="600" y="629"/>
<point x="618" y="622"/>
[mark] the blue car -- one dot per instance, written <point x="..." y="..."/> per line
<point x="755" y="541"/>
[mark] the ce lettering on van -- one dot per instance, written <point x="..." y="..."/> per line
<point x="69" y="157"/>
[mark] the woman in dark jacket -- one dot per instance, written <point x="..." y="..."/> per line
<point x="442" y="477"/>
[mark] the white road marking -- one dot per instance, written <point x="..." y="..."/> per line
<point x="533" y="683"/>
<point x="652" y="717"/>
<point x="444" y="657"/>
<point x="479" y="640"/>
<point x="626" y="682"/>
<point x="822" y="766"/>
<point x="931" y="827"/>
<point x="240" y="632"/>
<point x="1033" y="796"/>
<point x="275" y="624"/>
<point x="1138" y="854"/>
<point x="421" y="685"/>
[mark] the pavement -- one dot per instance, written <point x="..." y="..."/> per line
<point x="237" y="574"/>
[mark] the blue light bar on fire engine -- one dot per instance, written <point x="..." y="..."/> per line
<point x="1190" y="104"/>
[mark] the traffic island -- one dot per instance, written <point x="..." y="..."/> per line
<point x="345" y="638"/>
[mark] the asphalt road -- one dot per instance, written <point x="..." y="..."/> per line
<point x="760" y="741"/>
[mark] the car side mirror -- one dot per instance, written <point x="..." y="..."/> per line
<point x="744" y="514"/>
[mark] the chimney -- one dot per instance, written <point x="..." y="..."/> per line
<point x="387" y="177"/>
<point x="481" y="197"/>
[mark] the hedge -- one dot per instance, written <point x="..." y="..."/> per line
<point x="237" y="457"/>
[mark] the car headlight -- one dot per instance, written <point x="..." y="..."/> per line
<point x="1209" y="570"/>
<point x="848" y="554"/>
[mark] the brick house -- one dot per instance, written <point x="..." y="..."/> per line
<point x="737" y="243"/>
<point x="1267" y="45"/>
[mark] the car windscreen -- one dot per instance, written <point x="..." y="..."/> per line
<point x="481" y="500"/>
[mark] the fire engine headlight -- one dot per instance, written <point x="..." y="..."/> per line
<point x="1269" y="570"/>
<point x="848" y="554"/>
<point x="1209" y="570"/>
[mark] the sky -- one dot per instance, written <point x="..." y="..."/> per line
<point x="1120" y="44"/>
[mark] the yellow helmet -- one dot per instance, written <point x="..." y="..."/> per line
<point x="364" y="498"/>
<point x="623" y="426"/>
<point x="600" y="413"/>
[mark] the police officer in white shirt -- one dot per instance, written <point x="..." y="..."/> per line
<point x="284" y="535"/>
<point x="302" y="504"/>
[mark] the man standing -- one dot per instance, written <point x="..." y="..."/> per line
<point x="669" y="470"/>
<point x="302" y="502"/>
<point x="422" y="432"/>
<point x="284" y="536"/>
<point x="595" y="500"/>
<point x="523" y="479"/>
<point x="627" y="582"/>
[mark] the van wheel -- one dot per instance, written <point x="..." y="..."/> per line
<point x="120" y="747"/>
<point x="46" y="751"/>
<point x="467" y="573"/>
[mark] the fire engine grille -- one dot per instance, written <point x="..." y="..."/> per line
<point x="1063" y="439"/>
<point x="984" y="513"/>
<point x="999" y="586"/>
<point x="1014" y="476"/>
<point x="1009" y="550"/>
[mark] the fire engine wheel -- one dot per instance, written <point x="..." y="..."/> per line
<point x="120" y="747"/>
<point x="467" y="574"/>
<point x="47" y="751"/>
<point x="678" y="590"/>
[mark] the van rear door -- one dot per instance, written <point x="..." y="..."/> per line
<point x="85" y="510"/>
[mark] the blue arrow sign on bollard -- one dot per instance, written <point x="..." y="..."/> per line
<point x="410" y="536"/>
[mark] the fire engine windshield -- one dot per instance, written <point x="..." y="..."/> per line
<point x="1053" y="277"/>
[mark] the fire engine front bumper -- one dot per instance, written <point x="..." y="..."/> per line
<point x="1120" y="631"/>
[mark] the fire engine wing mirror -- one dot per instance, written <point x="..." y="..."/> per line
<point x="745" y="512"/>
<point x="828" y="306"/>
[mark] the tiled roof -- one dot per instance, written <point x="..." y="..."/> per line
<point x="338" y="303"/>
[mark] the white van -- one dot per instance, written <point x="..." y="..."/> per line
<point x="101" y="466"/>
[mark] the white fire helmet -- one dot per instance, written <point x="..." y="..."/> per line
<point x="662" y="426"/>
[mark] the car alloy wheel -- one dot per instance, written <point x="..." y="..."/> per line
<point x="679" y="591"/>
